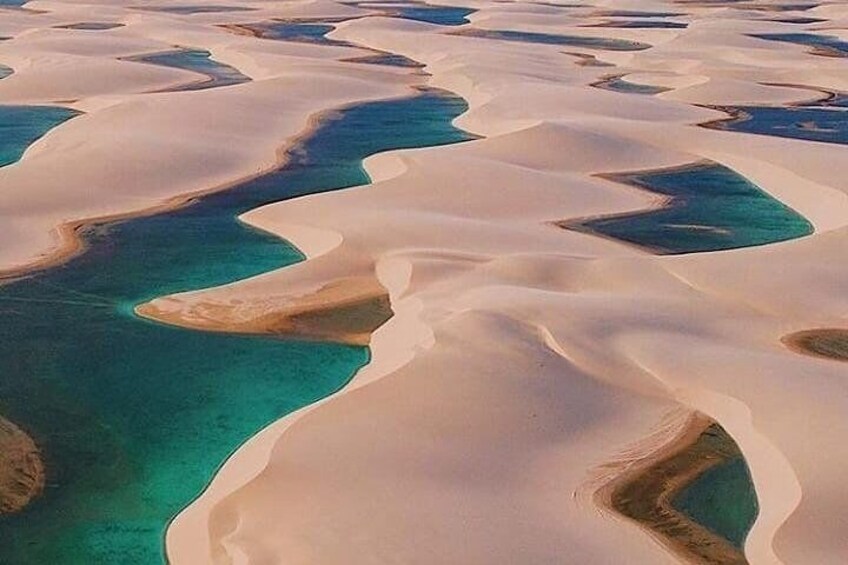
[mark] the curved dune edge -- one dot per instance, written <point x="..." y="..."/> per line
<point x="233" y="519"/>
<point x="69" y="236"/>
<point x="119" y="97"/>
<point x="21" y="468"/>
<point x="735" y="115"/>
<point x="345" y="311"/>
<point x="826" y="343"/>
<point x="643" y="492"/>
<point x="659" y="202"/>
<point x="415" y="336"/>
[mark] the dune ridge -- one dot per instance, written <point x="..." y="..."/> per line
<point x="487" y="278"/>
<point x="521" y="359"/>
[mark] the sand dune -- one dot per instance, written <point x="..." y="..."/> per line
<point x="525" y="366"/>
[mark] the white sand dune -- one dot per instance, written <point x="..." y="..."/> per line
<point x="525" y="365"/>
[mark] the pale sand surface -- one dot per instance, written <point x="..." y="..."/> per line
<point x="525" y="366"/>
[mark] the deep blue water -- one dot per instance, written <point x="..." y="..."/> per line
<point x="21" y="126"/>
<point x="640" y="14"/>
<point x="197" y="9"/>
<point x="199" y="61"/>
<point x="440" y="15"/>
<point x="298" y="32"/>
<point x="799" y="20"/>
<point x="134" y="417"/>
<point x="603" y="43"/>
<point x="831" y="43"/>
<point x="825" y="121"/>
<point x="712" y="208"/>
<point x="643" y="24"/>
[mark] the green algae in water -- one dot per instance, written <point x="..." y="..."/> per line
<point x="134" y="417"/>
<point x="21" y="126"/>
<point x="722" y="500"/>
<point x="711" y="208"/>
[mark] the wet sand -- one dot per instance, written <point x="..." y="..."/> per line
<point x="827" y="343"/>
<point x="21" y="468"/>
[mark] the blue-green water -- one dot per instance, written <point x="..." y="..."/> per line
<point x="134" y="417"/>
<point x="441" y="15"/>
<point x="199" y="61"/>
<point x="603" y="43"/>
<point x="723" y="500"/>
<point x="712" y="208"/>
<point x="5" y="71"/>
<point x="830" y="43"/>
<point x="429" y="13"/>
<point x="825" y="121"/>
<point x="298" y="32"/>
<point x="312" y="32"/>
<point x="21" y="126"/>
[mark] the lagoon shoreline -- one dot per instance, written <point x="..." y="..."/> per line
<point x="608" y="338"/>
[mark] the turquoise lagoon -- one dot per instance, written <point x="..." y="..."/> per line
<point x="21" y="126"/>
<point x="723" y="500"/>
<point x="829" y="43"/>
<point x="711" y="208"/>
<point x="92" y="26"/>
<point x="643" y="24"/>
<point x="134" y="417"/>
<point x="419" y="11"/>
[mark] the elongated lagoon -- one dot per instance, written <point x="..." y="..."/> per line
<point x="827" y="45"/>
<point x="21" y="126"/>
<point x="825" y="121"/>
<point x="602" y="43"/>
<point x="133" y="418"/>
<point x="709" y="208"/>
